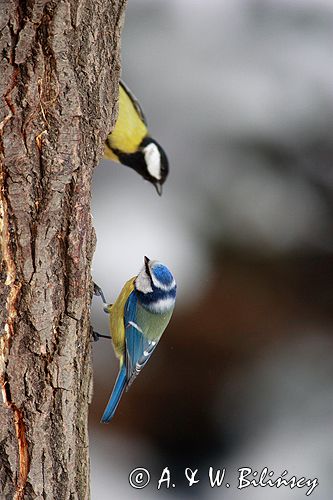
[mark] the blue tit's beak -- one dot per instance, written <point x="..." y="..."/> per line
<point x="147" y="266"/>
<point x="158" y="187"/>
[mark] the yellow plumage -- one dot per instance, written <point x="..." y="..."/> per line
<point x="131" y="144"/>
<point x="130" y="127"/>
<point x="117" y="325"/>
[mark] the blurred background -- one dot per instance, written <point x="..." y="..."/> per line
<point x="240" y="95"/>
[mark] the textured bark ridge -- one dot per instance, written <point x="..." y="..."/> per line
<point x="59" y="70"/>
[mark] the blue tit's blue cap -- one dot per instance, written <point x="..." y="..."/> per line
<point x="162" y="274"/>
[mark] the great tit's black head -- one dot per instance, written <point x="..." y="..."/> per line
<point x="150" y="161"/>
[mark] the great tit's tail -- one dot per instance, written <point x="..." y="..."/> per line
<point x="117" y="392"/>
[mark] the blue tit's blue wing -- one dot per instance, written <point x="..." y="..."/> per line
<point x="117" y="392"/>
<point x="138" y="347"/>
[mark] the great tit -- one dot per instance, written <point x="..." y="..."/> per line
<point x="130" y="143"/>
<point x="138" y="319"/>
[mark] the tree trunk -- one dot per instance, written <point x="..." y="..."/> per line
<point x="59" y="70"/>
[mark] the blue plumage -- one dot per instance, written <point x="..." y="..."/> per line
<point x="146" y="304"/>
<point x="138" y="346"/>
<point x="163" y="275"/>
<point x="115" y="396"/>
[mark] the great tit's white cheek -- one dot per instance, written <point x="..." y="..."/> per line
<point x="153" y="160"/>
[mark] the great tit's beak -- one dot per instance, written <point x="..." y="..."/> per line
<point x="146" y="260"/>
<point x="158" y="187"/>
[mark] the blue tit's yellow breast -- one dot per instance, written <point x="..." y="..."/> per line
<point x="129" y="130"/>
<point x="117" y="325"/>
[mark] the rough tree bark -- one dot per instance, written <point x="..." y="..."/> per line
<point x="59" y="70"/>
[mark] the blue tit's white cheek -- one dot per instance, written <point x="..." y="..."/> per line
<point x="143" y="283"/>
<point x="153" y="160"/>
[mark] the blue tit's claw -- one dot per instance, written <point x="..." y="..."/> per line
<point x="96" y="336"/>
<point x="99" y="293"/>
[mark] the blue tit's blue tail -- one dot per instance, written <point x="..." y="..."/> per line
<point x="117" y="392"/>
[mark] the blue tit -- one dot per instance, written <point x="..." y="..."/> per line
<point x="130" y="143"/>
<point x="138" y="319"/>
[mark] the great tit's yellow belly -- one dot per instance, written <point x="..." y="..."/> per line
<point x="117" y="325"/>
<point x="129" y="130"/>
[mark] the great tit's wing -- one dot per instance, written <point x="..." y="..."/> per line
<point x="138" y="347"/>
<point x="135" y="102"/>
